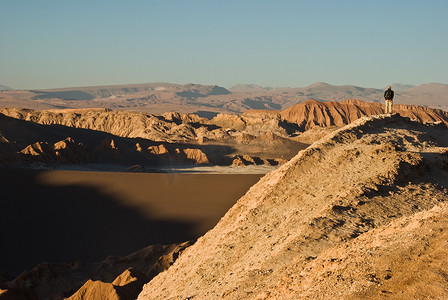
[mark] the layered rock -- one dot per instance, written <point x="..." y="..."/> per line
<point x="311" y="113"/>
<point x="353" y="208"/>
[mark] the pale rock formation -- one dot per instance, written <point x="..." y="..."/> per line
<point x="158" y="150"/>
<point x="197" y="156"/>
<point x="229" y="121"/>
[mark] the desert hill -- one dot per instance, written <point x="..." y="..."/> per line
<point x="209" y="100"/>
<point x="311" y="113"/>
<point x="361" y="213"/>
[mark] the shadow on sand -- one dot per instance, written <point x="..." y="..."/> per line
<point x="42" y="223"/>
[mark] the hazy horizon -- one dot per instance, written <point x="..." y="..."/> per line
<point x="400" y="85"/>
<point x="54" y="44"/>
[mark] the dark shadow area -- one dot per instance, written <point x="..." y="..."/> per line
<point x="209" y="127"/>
<point x="291" y="128"/>
<point x="206" y="114"/>
<point x="42" y="223"/>
<point x="191" y="94"/>
<point x="260" y="103"/>
<point x="201" y="92"/>
<point x="63" y="95"/>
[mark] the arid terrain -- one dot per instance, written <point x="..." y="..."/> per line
<point x="136" y="141"/>
<point x="359" y="214"/>
<point x="209" y="100"/>
<point x="61" y="225"/>
<point x="345" y="210"/>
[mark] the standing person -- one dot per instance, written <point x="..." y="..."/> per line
<point x="388" y="96"/>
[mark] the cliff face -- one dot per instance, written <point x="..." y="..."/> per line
<point x="170" y="127"/>
<point x="341" y="219"/>
<point x="311" y="113"/>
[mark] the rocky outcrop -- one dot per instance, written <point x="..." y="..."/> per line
<point x="342" y="219"/>
<point x="158" y="150"/>
<point x="126" y="286"/>
<point x="254" y="122"/>
<point x="187" y="155"/>
<point x="195" y="155"/>
<point x="65" y="151"/>
<point x="311" y="113"/>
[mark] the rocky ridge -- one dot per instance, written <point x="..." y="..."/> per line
<point x="341" y="219"/>
<point x="311" y="113"/>
<point x="170" y="127"/>
<point x="172" y="138"/>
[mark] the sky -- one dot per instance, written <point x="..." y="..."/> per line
<point x="294" y="43"/>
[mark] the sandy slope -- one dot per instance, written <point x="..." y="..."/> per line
<point x="357" y="207"/>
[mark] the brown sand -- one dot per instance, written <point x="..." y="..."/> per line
<point x="63" y="216"/>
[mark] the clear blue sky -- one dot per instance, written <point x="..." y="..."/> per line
<point x="63" y="43"/>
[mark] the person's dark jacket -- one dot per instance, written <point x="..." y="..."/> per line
<point x="389" y="94"/>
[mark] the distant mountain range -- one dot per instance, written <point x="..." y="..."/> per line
<point x="209" y="100"/>
<point x="4" y="87"/>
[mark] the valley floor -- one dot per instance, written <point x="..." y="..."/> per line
<point x="69" y="215"/>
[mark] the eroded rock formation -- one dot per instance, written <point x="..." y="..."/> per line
<point x="311" y="113"/>
<point x="65" y="151"/>
<point x="342" y="219"/>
